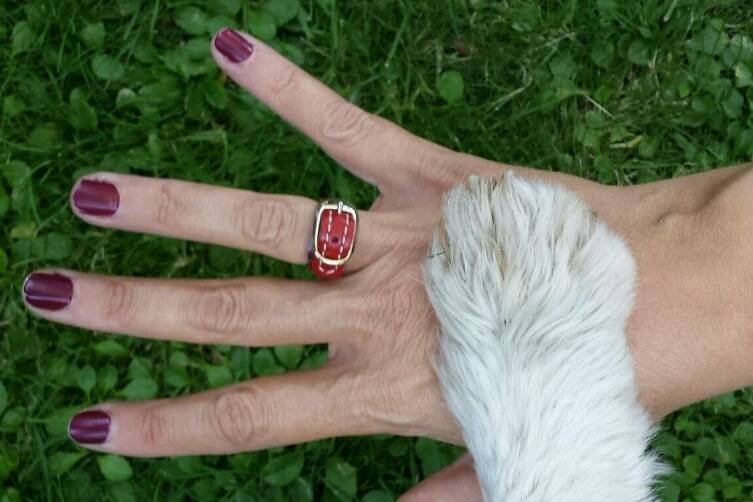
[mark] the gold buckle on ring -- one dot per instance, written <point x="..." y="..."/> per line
<point x="339" y="206"/>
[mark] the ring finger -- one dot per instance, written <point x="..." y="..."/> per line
<point x="245" y="311"/>
<point x="279" y="226"/>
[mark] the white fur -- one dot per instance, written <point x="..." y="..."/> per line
<point x="533" y="294"/>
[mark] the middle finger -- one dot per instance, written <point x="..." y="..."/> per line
<point x="246" y="311"/>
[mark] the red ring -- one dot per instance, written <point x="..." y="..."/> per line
<point x="335" y="228"/>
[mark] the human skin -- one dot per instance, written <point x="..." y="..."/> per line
<point x="690" y="332"/>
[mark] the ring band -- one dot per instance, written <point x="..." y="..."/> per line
<point x="335" y="228"/>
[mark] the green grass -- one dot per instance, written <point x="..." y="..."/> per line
<point x="620" y="92"/>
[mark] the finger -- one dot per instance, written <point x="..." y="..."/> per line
<point x="264" y="412"/>
<point x="373" y="148"/>
<point x="246" y="311"/>
<point x="280" y="226"/>
<point x="455" y="483"/>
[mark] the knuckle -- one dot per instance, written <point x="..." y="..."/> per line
<point x="288" y="84"/>
<point x="345" y="124"/>
<point x="397" y="307"/>
<point x="369" y="406"/>
<point x="437" y="169"/>
<point x="218" y="309"/>
<point x="240" y="416"/>
<point x="165" y="206"/>
<point x="121" y="304"/>
<point x="402" y="309"/>
<point x="154" y="429"/>
<point x="263" y="224"/>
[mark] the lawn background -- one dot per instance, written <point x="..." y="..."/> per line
<point x="618" y="91"/>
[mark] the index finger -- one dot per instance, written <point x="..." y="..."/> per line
<point x="371" y="147"/>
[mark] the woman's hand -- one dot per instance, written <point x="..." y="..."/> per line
<point x="377" y="319"/>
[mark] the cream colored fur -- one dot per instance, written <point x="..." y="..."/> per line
<point x="533" y="293"/>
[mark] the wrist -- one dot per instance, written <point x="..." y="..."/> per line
<point x="691" y="325"/>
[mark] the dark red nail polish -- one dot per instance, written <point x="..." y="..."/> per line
<point x="89" y="427"/>
<point x="233" y="46"/>
<point x="98" y="198"/>
<point x="48" y="291"/>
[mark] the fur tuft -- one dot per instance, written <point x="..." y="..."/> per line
<point x="533" y="294"/>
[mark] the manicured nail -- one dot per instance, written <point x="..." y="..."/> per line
<point x="98" y="198"/>
<point x="89" y="427"/>
<point x="233" y="46"/>
<point x="48" y="291"/>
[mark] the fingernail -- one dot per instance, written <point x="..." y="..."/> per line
<point x="233" y="46"/>
<point x="89" y="427"/>
<point x="48" y="291"/>
<point x="98" y="198"/>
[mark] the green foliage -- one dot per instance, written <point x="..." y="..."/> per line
<point x="93" y="35"/>
<point x="107" y="67"/>
<point x="261" y="24"/>
<point x="192" y="20"/>
<point x="23" y="37"/>
<point x="450" y="86"/>
<point x="341" y="479"/>
<point x="289" y="355"/>
<point x="618" y="92"/>
<point x="110" y="348"/>
<point x="87" y="379"/>
<point x="282" y="11"/>
<point x="114" y="467"/>
<point x="140" y="388"/>
<point x="283" y="469"/>
<point x="62" y="461"/>
<point x="3" y="398"/>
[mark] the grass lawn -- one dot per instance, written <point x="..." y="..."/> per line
<point x="618" y="91"/>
